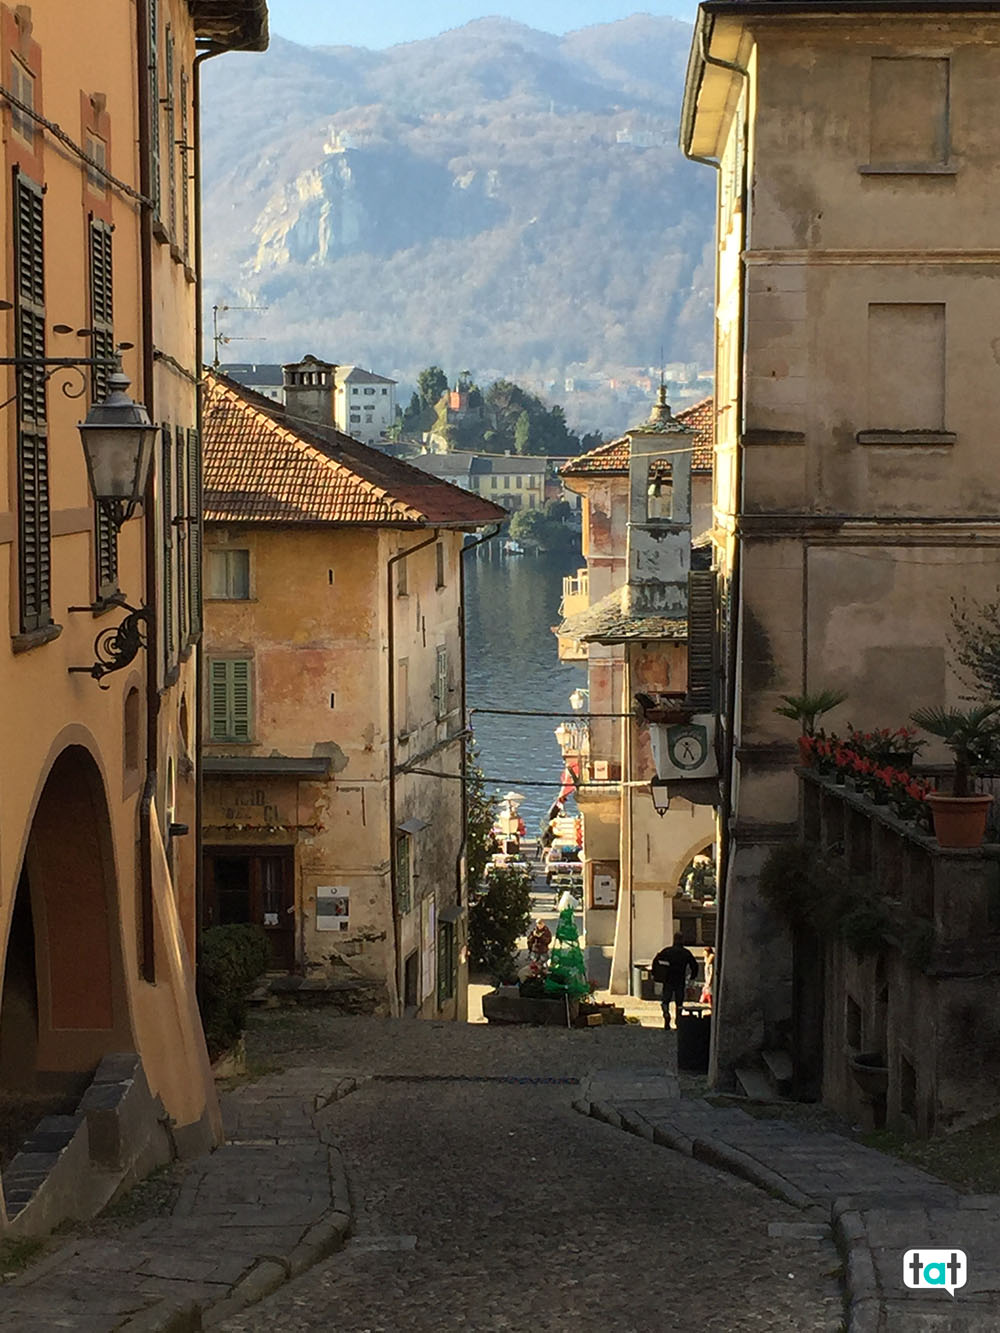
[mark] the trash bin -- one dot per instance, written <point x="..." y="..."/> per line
<point x="643" y="984"/>
<point x="694" y="1039"/>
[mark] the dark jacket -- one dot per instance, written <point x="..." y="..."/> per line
<point x="671" y="965"/>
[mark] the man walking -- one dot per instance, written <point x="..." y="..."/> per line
<point x="671" y="967"/>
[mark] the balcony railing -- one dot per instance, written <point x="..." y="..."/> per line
<point x="894" y="1025"/>
<point x="576" y="593"/>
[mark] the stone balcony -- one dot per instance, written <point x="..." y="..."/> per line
<point x="931" y="1014"/>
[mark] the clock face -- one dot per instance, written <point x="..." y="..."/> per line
<point x="687" y="746"/>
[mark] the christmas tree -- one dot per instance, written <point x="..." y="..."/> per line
<point x="567" y="974"/>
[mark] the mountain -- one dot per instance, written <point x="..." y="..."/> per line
<point x="496" y="199"/>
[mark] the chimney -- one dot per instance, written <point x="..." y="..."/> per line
<point x="309" y="389"/>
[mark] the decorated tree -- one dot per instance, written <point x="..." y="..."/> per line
<point x="567" y="974"/>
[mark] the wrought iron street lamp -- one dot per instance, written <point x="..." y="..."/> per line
<point x="118" y="438"/>
<point x="660" y="793"/>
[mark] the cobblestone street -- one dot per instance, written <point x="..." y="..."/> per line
<point x="494" y="1205"/>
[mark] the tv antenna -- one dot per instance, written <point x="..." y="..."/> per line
<point x="224" y="339"/>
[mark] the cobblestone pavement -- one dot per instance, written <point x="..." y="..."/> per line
<point x="491" y="1205"/>
<point x="880" y="1207"/>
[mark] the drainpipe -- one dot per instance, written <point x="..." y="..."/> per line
<point x="199" y="348"/>
<point x="391" y="621"/>
<point x="147" y="803"/>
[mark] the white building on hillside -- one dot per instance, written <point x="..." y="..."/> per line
<point x="364" y="404"/>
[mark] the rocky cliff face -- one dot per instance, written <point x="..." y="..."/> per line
<point x="496" y="199"/>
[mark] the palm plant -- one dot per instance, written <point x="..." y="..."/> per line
<point x="966" y="731"/>
<point x="806" y="708"/>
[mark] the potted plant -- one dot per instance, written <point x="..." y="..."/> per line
<point x="806" y="708"/>
<point x="960" y="817"/>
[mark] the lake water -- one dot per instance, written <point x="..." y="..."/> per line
<point x="512" y="662"/>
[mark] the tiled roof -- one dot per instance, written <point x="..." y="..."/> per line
<point x="606" y="622"/>
<point x="357" y="375"/>
<point x="259" y="469"/>
<point x="487" y="464"/>
<point x="611" y="460"/>
<point x="700" y="418"/>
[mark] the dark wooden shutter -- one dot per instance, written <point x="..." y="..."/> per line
<point x="171" y="144"/>
<point x="181" y="535"/>
<point x="186" y="162"/>
<point x="34" y="548"/>
<point x="194" y="531"/>
<point x="103" y="344"/>
<point x="154" y="106"/>
<point x="167" y="541"/>
<point x="702" y="639"/>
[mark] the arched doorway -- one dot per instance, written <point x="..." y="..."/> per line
<point x="63" y="1004"/>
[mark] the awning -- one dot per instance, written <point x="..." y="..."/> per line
<point x="275" y="766"/>
<point x="450" y="914"/>
<point x="412" y="825"/>
<point x="570" y="778"/>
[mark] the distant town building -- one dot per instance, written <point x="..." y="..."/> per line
<point x="264" y="379"/>
<point x="364" y="404"/>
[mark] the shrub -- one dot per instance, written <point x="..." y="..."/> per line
<point x="498" y="915"/>
<point x="231" y="960"/>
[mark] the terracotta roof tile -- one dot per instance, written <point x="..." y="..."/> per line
<point x="611" y="460"/>
<point x="260" y="469"/>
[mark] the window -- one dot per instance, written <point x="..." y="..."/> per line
<point x="228" y="574"/>
<point x="447" y="961"/>
<point x="441" y="680"/>
<point x="34" y="551"/>
<point x="906" y="368"/>
<point x="132" y="732"/>
<point x="402" y="698"/>
<point x="370" y="393"/>
<point x="909" y="112"/>
<point x="22" y="85"/>
<point x="493" y="483"/>
<point x="180" y="535"/>
<point x="402" y="587"/>
<point x="355" y="391"/>
<point x="355" y="418"/>
<point x="520" y="483"/>
<point x="102" y="343"/>
<point x="384" y="392"/>
<point x="506" y="482"/>
<point x="439" y="557"/>
<point x="97" y="149"/>
<point x="404" y="878"/>
<point x="230" y="699"/>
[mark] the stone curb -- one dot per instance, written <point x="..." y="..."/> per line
<point x="267" y="1274"/>
<point x="865" y="1311"/>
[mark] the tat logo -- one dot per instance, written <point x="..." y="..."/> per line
<point x="932" y="1270"/>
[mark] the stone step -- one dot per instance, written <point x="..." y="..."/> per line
<point x="779" y="1065"/>
<point x="755" y="1085"/>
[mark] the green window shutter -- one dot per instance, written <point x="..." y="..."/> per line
<point x="195" y="545"/>
<point x="229" y="699"/>
<point x="34" y="534"/>
<point x="702" y="639"/>
<point x="240" y="697"/>
<point x="218" y="699"/>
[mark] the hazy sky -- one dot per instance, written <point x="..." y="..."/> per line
<point x="379" y="23"/>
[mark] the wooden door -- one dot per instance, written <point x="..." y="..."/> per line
<point x="256" y="885"/>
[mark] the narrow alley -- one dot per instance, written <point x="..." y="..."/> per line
<point x="488" y="1203"/>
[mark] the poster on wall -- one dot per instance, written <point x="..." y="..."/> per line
<point x="333" y="907"/>
<point x="605" y="891"/>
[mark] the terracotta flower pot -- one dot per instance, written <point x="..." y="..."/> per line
<point x="959" y="821"/>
